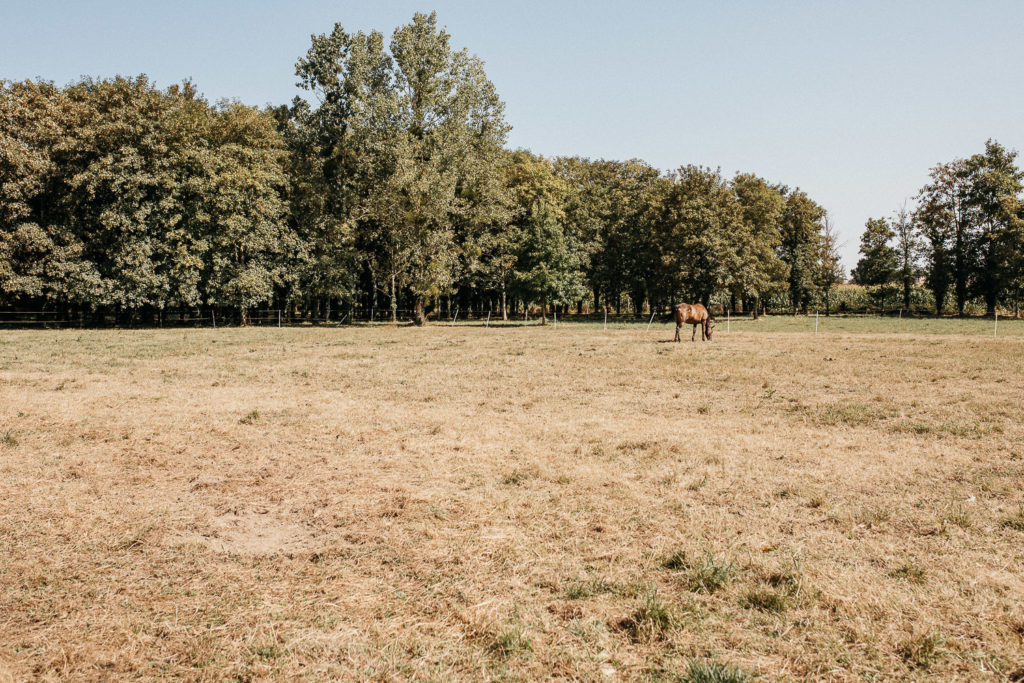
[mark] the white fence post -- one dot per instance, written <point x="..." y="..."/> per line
<point x="651" y="321"/>
<point x="488" y="319"/>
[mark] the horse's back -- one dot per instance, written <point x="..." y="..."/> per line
<point x="690" y="314"/>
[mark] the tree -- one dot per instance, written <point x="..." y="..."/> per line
<point x="761" y="270"/>
<point x="547" y="262"/>
<point x="877" y="265"/>
<point x="830" y="267"/>
<point x="800" y="228"/>
<point x="248" y="234"/>
<point x="944" y="213"/>
<point x="698" y="234"/>
<point x="547" y="267"/>
<point x="440" y="125"/>
<point x="995" y="186"/>
<point x="908" y="248"/>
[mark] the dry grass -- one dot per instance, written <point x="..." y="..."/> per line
<point x="460" y="502"/>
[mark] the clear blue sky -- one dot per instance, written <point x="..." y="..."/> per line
<point x="851" y="101"/>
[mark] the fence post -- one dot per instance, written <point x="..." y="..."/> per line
<point x="651" y="321"/>
<point x="606" y="317"/>
<point x="213" y="314"/>
<point x="488" y="319"/>
<point x="555" y="311"/>
<point x="279" y="317"/>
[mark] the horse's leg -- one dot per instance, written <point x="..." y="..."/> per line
<point x="677" y="332"/>
<point x="693" y="337"/>
<point x="704" y="331"/>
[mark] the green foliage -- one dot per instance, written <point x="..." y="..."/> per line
<point x="699" y="228"/>
<point x="922" y="651"/>
<point x="391" y="187"/>
<point x="801" y="226"/>
<point x="652" y="619"/>
<point x="706" y="575"/>
<point x="877" y="265"/>
<point x="132" y="197"/>
<point x="701" y="671"/>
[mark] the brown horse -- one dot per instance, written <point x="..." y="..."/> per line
<point x="693" y="314"/>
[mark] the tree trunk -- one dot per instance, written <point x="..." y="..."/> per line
<point x="394" y="301"/>
<point x="544" y="313"/>
<point x="417" y="317"/>
<point x="504" y="302"/>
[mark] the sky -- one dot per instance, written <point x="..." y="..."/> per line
<point x="853" y="102"/>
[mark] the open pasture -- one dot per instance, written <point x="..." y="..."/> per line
<point x="514" y="502"/>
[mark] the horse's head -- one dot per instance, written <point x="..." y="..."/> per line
<point x="711" y="328"/>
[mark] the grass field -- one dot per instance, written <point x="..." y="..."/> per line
<point x="514" y="503"/>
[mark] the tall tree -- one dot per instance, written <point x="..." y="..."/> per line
<point x="944" y="213"/>
<point x="830" y="266"/>
<point x="801" y="227"/>
<point x="995" y="187"/>
<point x="877" y="265"/>
<point x="698" y="233"/>
<point x="908" y="249"/>
<point x="762" y="272"/>
<point x="547" y="261"/>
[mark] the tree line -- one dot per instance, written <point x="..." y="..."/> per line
<point x="964" y="239"/>
<point x="387" y="191"/>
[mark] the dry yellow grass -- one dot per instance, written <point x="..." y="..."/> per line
<point x="517" y="503"/>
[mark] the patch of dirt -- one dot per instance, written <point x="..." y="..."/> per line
<point x="254" y="532"/>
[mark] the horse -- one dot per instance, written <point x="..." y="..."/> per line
<point x="693" y="314"/>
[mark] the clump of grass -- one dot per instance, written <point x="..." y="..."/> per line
<point x="871" y="517"/>
<point x="765" y="600"/>
<point x="701" y="671"/>
<point x="518" y="476"/>
<point x="850" y="414"/>
<point x="910" y="572"/>
<point x="959" y="514"/>
<point x="697" y="484"/>
<point x="651" y="620"/>
<point x="922" y="651"/>
<point x="251" y="417"/>
<point x="816" y="501"/>
<point x="267" y="652"/>
<point x="788" y="582"/>
<point x="512" y="641"/>
<point x="579" y="590"/>
<point x="677" y="561"/>
<point x="9" y="440"/>
<point x="706" y="575"/>
<point x="1015" y="522"/>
